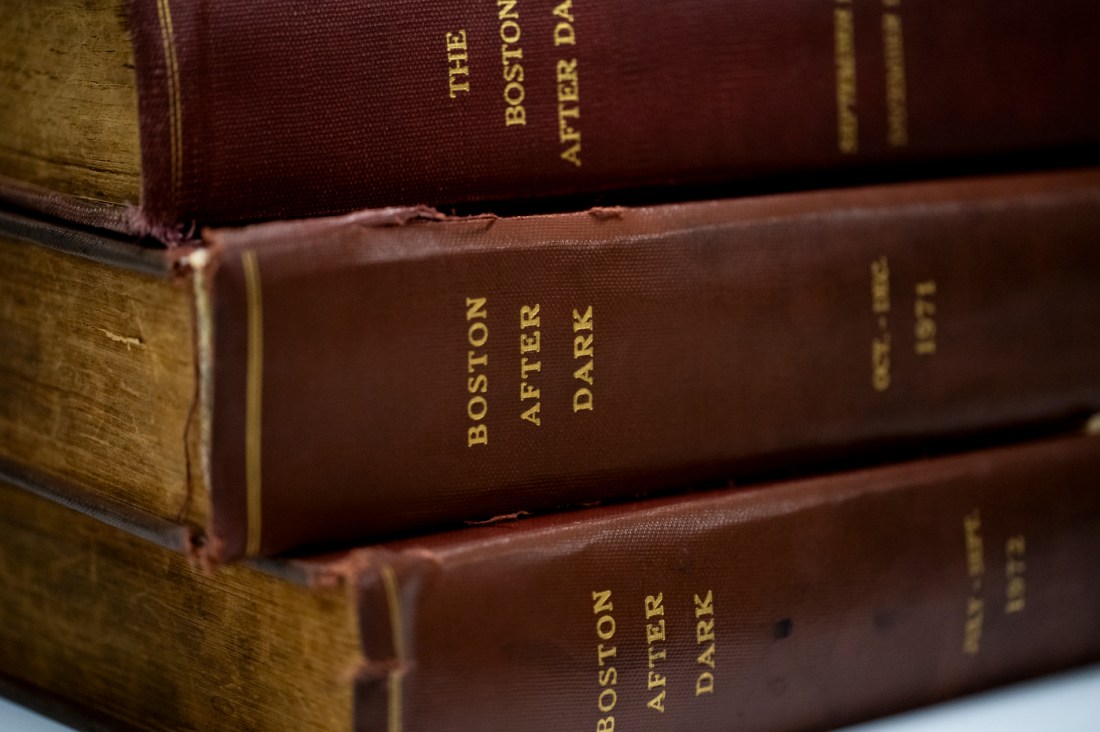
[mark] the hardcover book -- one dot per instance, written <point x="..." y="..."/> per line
<point x="301" y="383"/>
<point x="149" y="115"/>
<point x="801" y="605"/>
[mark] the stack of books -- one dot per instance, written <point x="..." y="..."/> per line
<point x="503" y="365"/>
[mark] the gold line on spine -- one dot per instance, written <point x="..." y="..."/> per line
<point x="253" y="398"/>
<point x="393" y="599"/>
<point x="175" y="125"/>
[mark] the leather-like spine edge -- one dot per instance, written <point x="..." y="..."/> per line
<point x="201" y="265"/>
<point x="162" y="532"/>
<point x="87" y="212"/>
<point x="97" y="247"/>
<point x="387" y="589"/>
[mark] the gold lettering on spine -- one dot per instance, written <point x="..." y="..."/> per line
<point x="975" y="569"/>
<point x="510" y="56"/>
<point x="655" y="634"/>
<point x="393" y="678"/>
<point x="1015" y="586"/>
<point x="606" y="674"/>
<point x="897" y="113"/>
<point x="583" y="351"/>
<point x="924" y="310"/>
<point x="175" y="112"/>
<point x="564" y="32"/>
<point x="880" y="308"/>
<point x="530" y="344"/>
<point x="253" y="400"/>
<point x="477" y="381"/>
<point x="845" y="51"/>
<point x="569" y="97"/>
<point x="704" y="636"/>
<point x="458" y="67"/>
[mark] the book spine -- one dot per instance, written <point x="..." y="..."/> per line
<point x="380" y="373"/>
<point x="269" y="110"/>
<point x="807" y="605"/>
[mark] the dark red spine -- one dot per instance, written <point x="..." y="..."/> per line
<point x="275" y="109"/>
<point x="805" y="605"/>
<point x="383" y="372"/>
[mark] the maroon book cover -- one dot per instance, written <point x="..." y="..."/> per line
<point x="275" y="109"/>
<point x="797" y="605"/>
<point x="390" y="370"/>
<point x="804" y="605"/>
